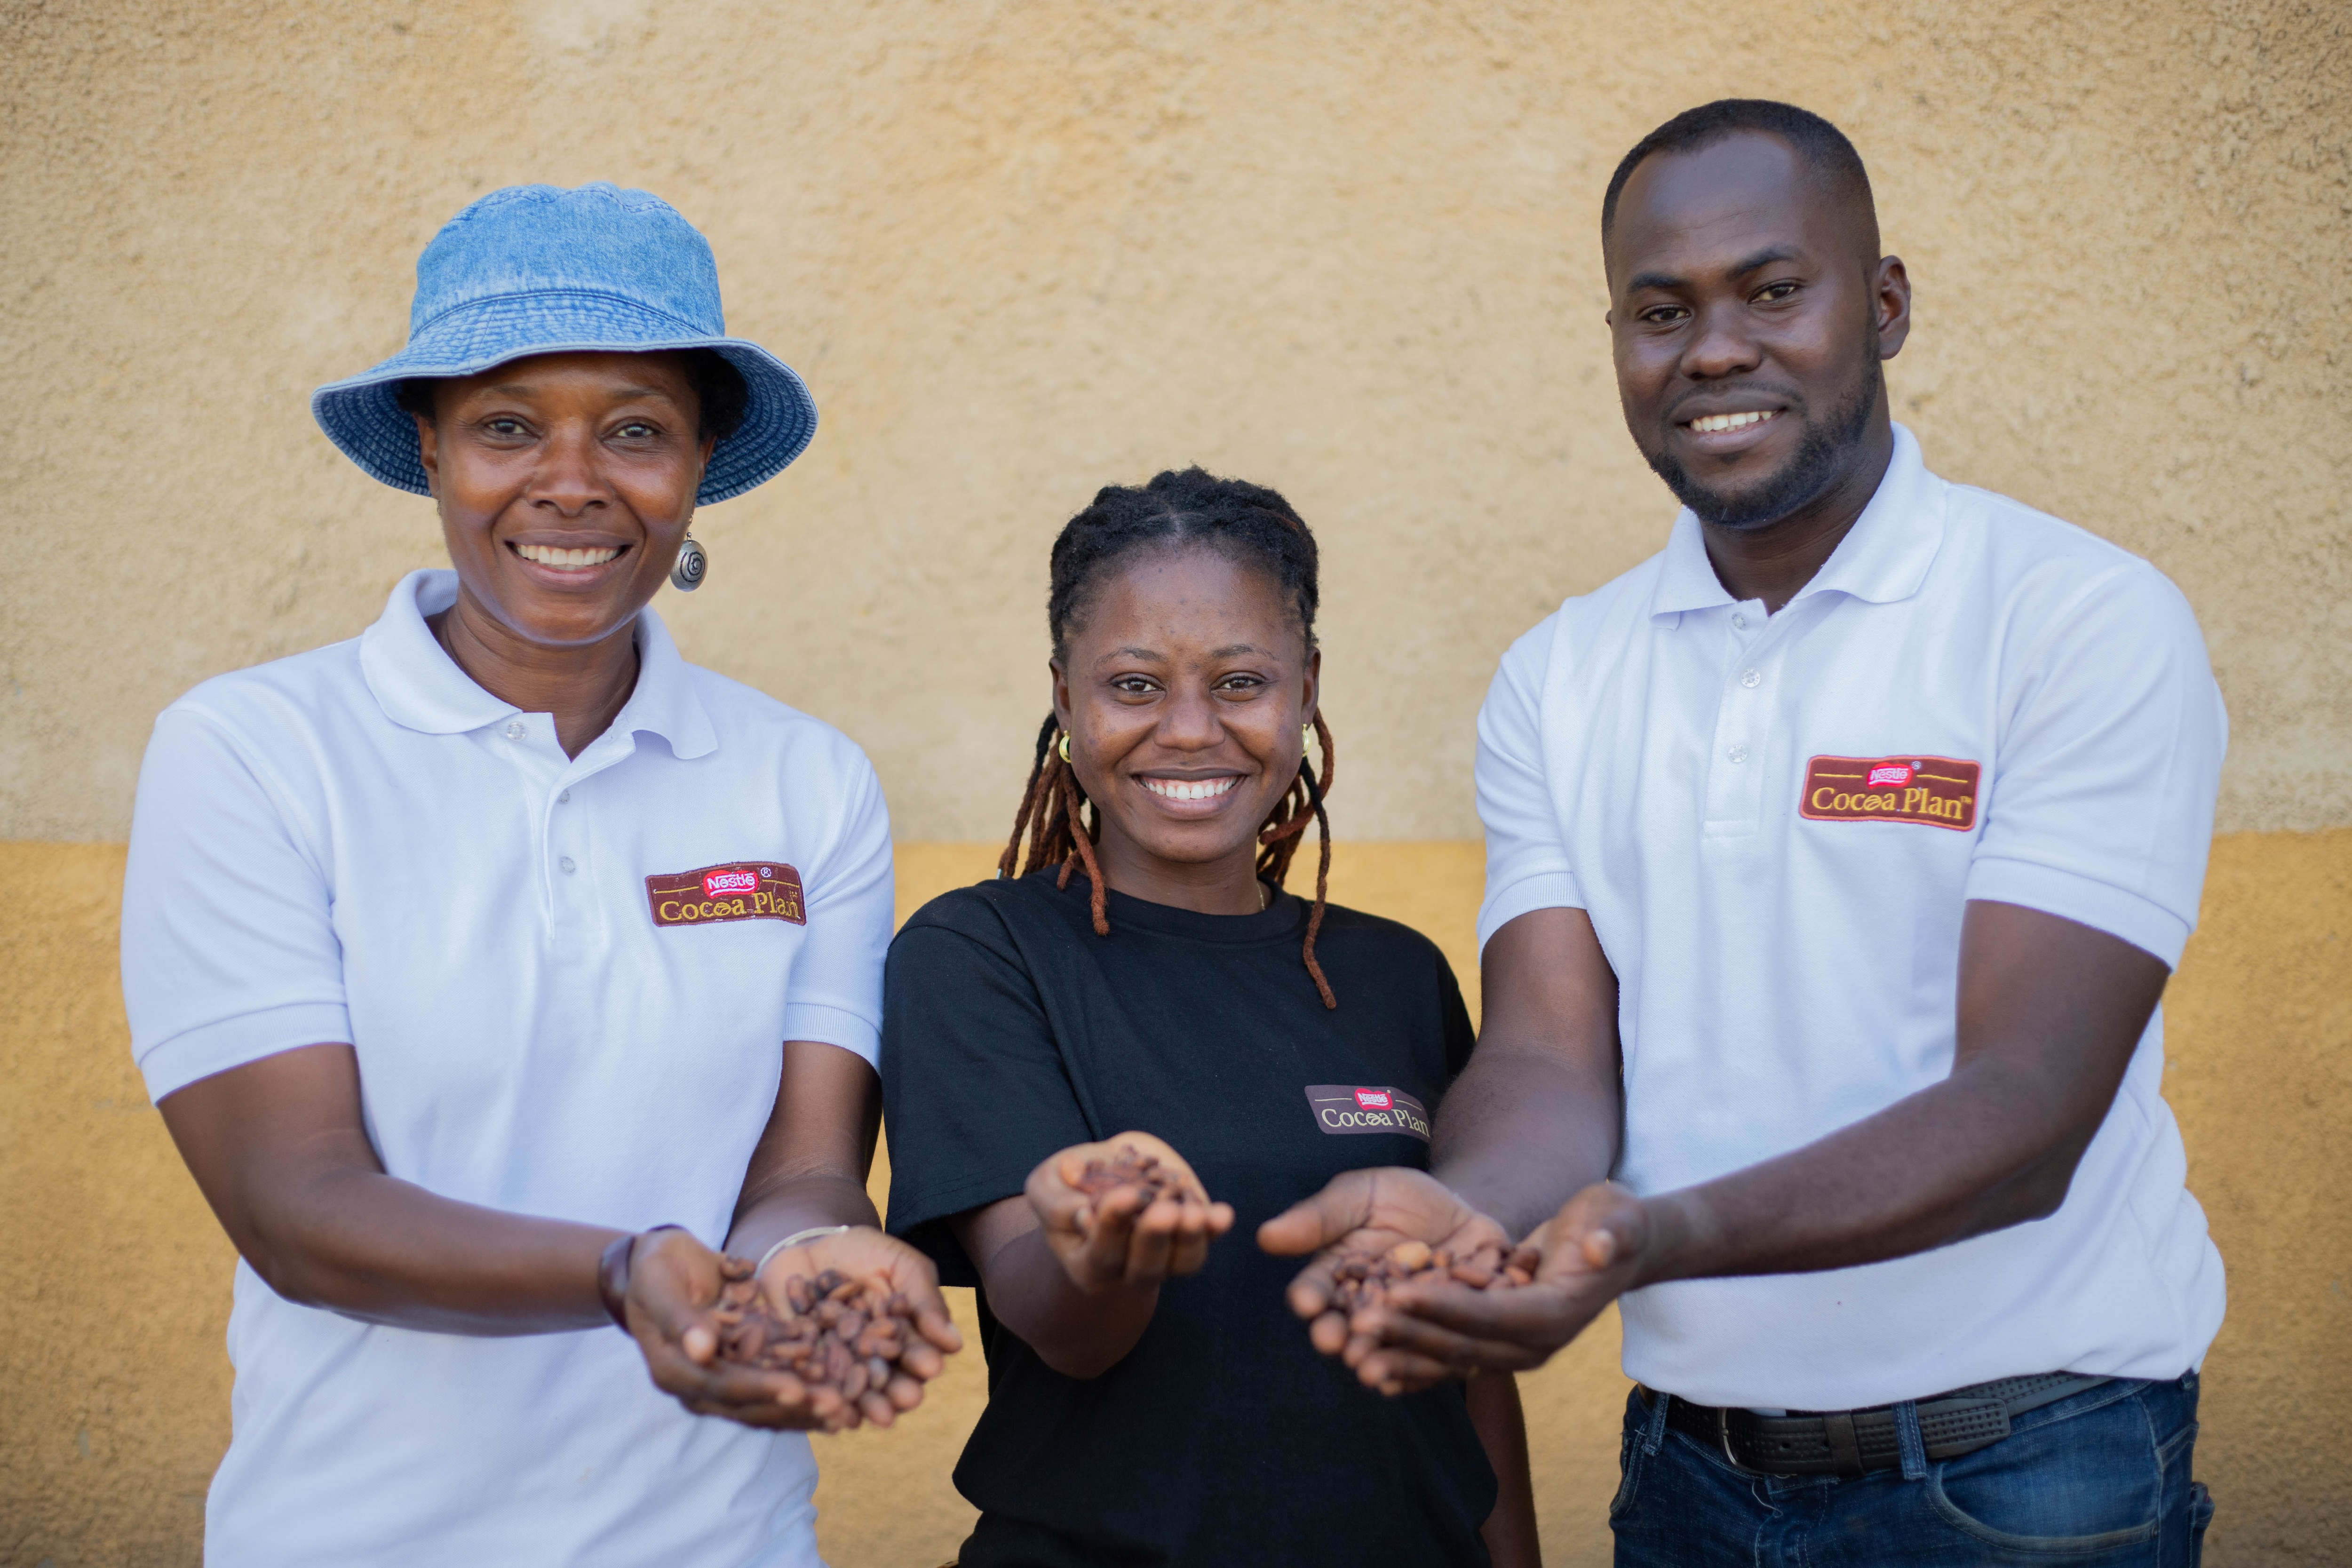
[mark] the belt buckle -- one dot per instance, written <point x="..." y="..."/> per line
<point x="1723" y="1437"/>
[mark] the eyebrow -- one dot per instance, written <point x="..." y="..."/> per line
<point x="1757" y="262"/>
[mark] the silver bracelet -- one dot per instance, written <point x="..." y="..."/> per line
<point x="811" y="1234"/>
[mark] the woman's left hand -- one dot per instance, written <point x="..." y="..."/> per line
<point x="674" y="1285"/>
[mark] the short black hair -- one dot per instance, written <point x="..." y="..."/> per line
<point x="719" y="392"/>
<point x="1247" y="524"/>
<point x="1822" y="146"/>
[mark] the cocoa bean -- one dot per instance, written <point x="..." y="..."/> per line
<point x="1127" y="1167"/>
<point x="1363" y="1279"/>
<point x="836" y="1332"/>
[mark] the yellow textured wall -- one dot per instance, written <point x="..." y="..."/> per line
<point x="1024" y="248"/>
<point x="1021" y="248"/>
<point x="116" y="1292"/>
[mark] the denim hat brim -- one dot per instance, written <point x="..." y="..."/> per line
<point x="360" y="414"/>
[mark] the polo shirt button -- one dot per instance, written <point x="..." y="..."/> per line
<point x="515" y="731"/>
<point x="1739" y="623"/>
<point x="1738" y="754"/>
<point x="1751" y="678"/>
<point x="564" y="798"/>
<point x="567" y="865"/>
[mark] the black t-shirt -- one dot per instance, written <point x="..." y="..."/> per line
<point x="1011" y="1030"/>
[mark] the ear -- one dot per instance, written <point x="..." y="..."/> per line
<point x="1310" y="699"/>
<point x="428" y="452"/>
<point x="1891" y="305"/>
<point x="1061" y="693"/>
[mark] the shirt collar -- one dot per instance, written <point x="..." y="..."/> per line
<point x="419" y="687"/>
<point x="1883" y="557"/>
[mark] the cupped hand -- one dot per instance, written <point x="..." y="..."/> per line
<point x="863" y="1252"/>
<point x="674" y="1284"/>
<point x="1369" y="1212"/>
<point x="1117" y="1240"/>
<point x="1589" y="1253"/>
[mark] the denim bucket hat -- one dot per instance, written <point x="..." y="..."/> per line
<point x="535" y="270"/>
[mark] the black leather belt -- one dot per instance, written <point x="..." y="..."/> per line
<point x="1854" y="1442"/>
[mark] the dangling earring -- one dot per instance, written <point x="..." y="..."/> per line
<point x="693" y="563"/>
<point x="1064" y="749"/>
<point x="1305" y="738"/>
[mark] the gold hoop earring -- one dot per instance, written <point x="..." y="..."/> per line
<point x="1064" y="749"/>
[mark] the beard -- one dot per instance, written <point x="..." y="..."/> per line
<point x="1820" y="460"/>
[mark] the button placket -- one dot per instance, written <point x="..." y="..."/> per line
<point x="1735" y="777"/>
<point x="567" y="835"/>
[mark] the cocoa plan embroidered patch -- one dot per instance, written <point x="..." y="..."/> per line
<point x="1344" y="1109"/>
<point x="740" y="890"/>
<point x="1935" y="792"/>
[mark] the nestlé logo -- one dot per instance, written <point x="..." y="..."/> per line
<point x="743" y="890"/>
<point x="1933" y="791"/>
<point x="1345" y="1109"/>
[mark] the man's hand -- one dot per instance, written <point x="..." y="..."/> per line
<point x="1117" y="1241"/>
<point x="674" y="1283"/>
<point x="1593" y="1251"/>
<point x="1369" y="1210"/>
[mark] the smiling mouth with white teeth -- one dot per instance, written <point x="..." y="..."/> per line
<point x="1191" y="789"/>
<point x="1710" y="423"/>
<point x="553" y="555"/>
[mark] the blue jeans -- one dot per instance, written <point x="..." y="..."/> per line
<point x="2101" y="1478"/>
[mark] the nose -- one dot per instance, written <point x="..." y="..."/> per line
<point x="1190" y="722"/>
<point x="568" y="480"/>
<point x="1722" y="346"/>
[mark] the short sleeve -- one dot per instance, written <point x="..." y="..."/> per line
<point x="1460" y="1035"/>
<point x="229" y="952"/>
<point x="1526" y="858"/>
<point x="836" y="995"/>
<point x="2100" y="808"/>
<point x="974" y="1092"/>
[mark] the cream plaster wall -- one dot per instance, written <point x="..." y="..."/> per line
<point x="1023" y="250"/>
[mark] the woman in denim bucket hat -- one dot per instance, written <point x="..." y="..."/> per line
<point x="497" y="970"/>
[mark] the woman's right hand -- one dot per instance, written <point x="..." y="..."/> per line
<point x="673" y="1283"/>
<point x="1115" y="1241"/>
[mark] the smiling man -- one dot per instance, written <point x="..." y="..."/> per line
<point x="1838" y="856"/>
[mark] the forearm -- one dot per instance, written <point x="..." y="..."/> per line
<point x="1078" y="1333"/>
<point x="371" y="1246"/>
<point x="1980" y="1151"/>
<point x="1518" y="1132"/>
<point x="802" y="1203"/>
<point x="1509" y="1532"/>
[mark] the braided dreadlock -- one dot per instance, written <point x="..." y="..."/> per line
<point x="1245" y="523"/>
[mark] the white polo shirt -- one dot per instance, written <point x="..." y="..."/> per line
<point x="1774" y="824"/>
<point x="568" y="981"/>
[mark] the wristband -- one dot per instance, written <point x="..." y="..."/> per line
<point x="613" y="1274"/>
<point x="811" y="1234"/>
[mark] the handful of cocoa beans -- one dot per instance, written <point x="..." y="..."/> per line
<point x="1128" y="1168"/>
<point x="842" y="1333"/>
<point x="1365" y="1279"/>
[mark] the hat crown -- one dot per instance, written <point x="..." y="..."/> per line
<point x="596" y="240"/>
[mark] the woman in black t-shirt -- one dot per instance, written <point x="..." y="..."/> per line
<point x="1151" y="1398"/>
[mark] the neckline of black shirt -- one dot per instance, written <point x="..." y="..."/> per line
<point x="1285" y="914"/>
